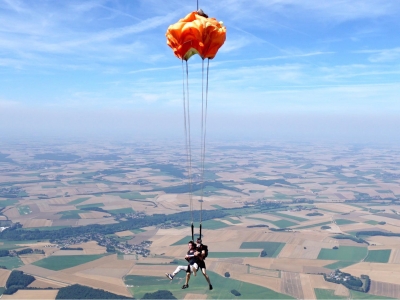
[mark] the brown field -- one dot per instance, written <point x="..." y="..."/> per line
<point x="4" y="276"/>
<point x="291" y="284"/>
<point x="264" y="272"/>
<point x="37" y="223"/>
<point x="234" y="269"/>
<point x="32" y="294"/>
<point x="385" y="289"/>
<point x="93" y="215"/>
<point x="384" y="240"/>
<point x="339" y="207"/>
<point x="36" y="271"/>
<point x="318" y="281"/>
<point x="125" y="233"/>
<point x="68" y="252"/>
<point x="287" y="250"/>
<point x="308" y="290"/>
<point x="146" y="270"/>
<point x="308" y="253"/>
<point x="31" y="258"/>
<point x="41" y="282"/>
<point x="95" y="283"/>
<point x="395" y="256"/>
<point x="91" y="248"/>
<point x="107" y="263"/>
<point x="107" y="279"/>
<point x="195" y="296"/>
<point x="389" y="273"/>
<point x="341" y="290"/>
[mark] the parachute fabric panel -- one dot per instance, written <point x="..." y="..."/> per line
<point x="196" y="34"/>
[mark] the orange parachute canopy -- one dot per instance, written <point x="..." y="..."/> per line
<point x="196" y="34"/>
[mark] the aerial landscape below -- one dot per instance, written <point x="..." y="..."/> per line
<point x="319" y="222"/>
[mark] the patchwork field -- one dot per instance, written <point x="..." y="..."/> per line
<point x="279" y="207"/>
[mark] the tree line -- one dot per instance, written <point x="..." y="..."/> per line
<point x="16" y="233"/>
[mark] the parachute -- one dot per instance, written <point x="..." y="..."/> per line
<point x="195" y="34"/>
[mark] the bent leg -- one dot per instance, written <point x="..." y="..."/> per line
<point x="178" y="269"/>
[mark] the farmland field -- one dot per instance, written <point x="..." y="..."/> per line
<point x="344" y="253"/>
<point x="339" y="265"/>
<point x="299" y="219"/>
<point x="360" y="295"/>
<point x="182" y="241"/>
<point x="379" y="256"/>
<point x="71" y="214"/>
<point x="198" y="287"/>
<point x="272" y="248"/>
<point x="233" y="221"/>
<point x="278" y="223"/>
<point x="78" y="201"/>
<point x="60" y="262"/>
<point x="127" y="210"/>
<point x="11" y="262"/>
<point x="233" y="254"/>
<point x="24" y="210"/>
<point x="326" y="294"/>
<point x="372" y="222"/>
<point x="344" y="222"/>
<point x="90" y="205"/>
<point x="314" y="225"/>
<point x="214" y="224"/>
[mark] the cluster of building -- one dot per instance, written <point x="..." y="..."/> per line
<point x="110" y="242"/>
<point x="338" y="275"/>
<point x="10" y="192"/>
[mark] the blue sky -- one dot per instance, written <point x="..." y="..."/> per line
<point x="292" y="69"/>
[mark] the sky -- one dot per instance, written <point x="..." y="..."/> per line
<point x="289" y="69"/>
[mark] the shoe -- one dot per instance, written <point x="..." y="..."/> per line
<point x="211" y="287"/>
<point x="185" y="286"/>
<point x="169" y="276"/>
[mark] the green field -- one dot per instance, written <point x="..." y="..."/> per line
<point x="46" y="228"/>
<point x="339" y="265"/>
<point x="182" y="241"/>
<point x="90" y="205"/>
<point x="299" y="219"/>
<point x="24" y="210"/>
<point x="62" y="262"/>
<point x="272" y="248"/>
<point x="127" y="210"/>
<point x="78" y="201"/>
<point x="8" y="202"/>
<point x="314" y="225"/>
<point x="214" y="224"/>
<point x="137" y="230"/>
<point x="217" y="206"/>
<point x="10" y="262"/>
<point x="379" y="256"/>
<point x="2" y="289"/>
<point x="344" y="222"/>
<point x="233" y="221"/>
<point x="71" y="214"/>
<point x="326" y="294"/>
<point x="233" y="254"/>
<point x="372" y="222"/>
<point x="198" y="286"/>
<point x="279" y="223"/>
<point x="284" y="223"/>
<point x="344" y="253"/>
